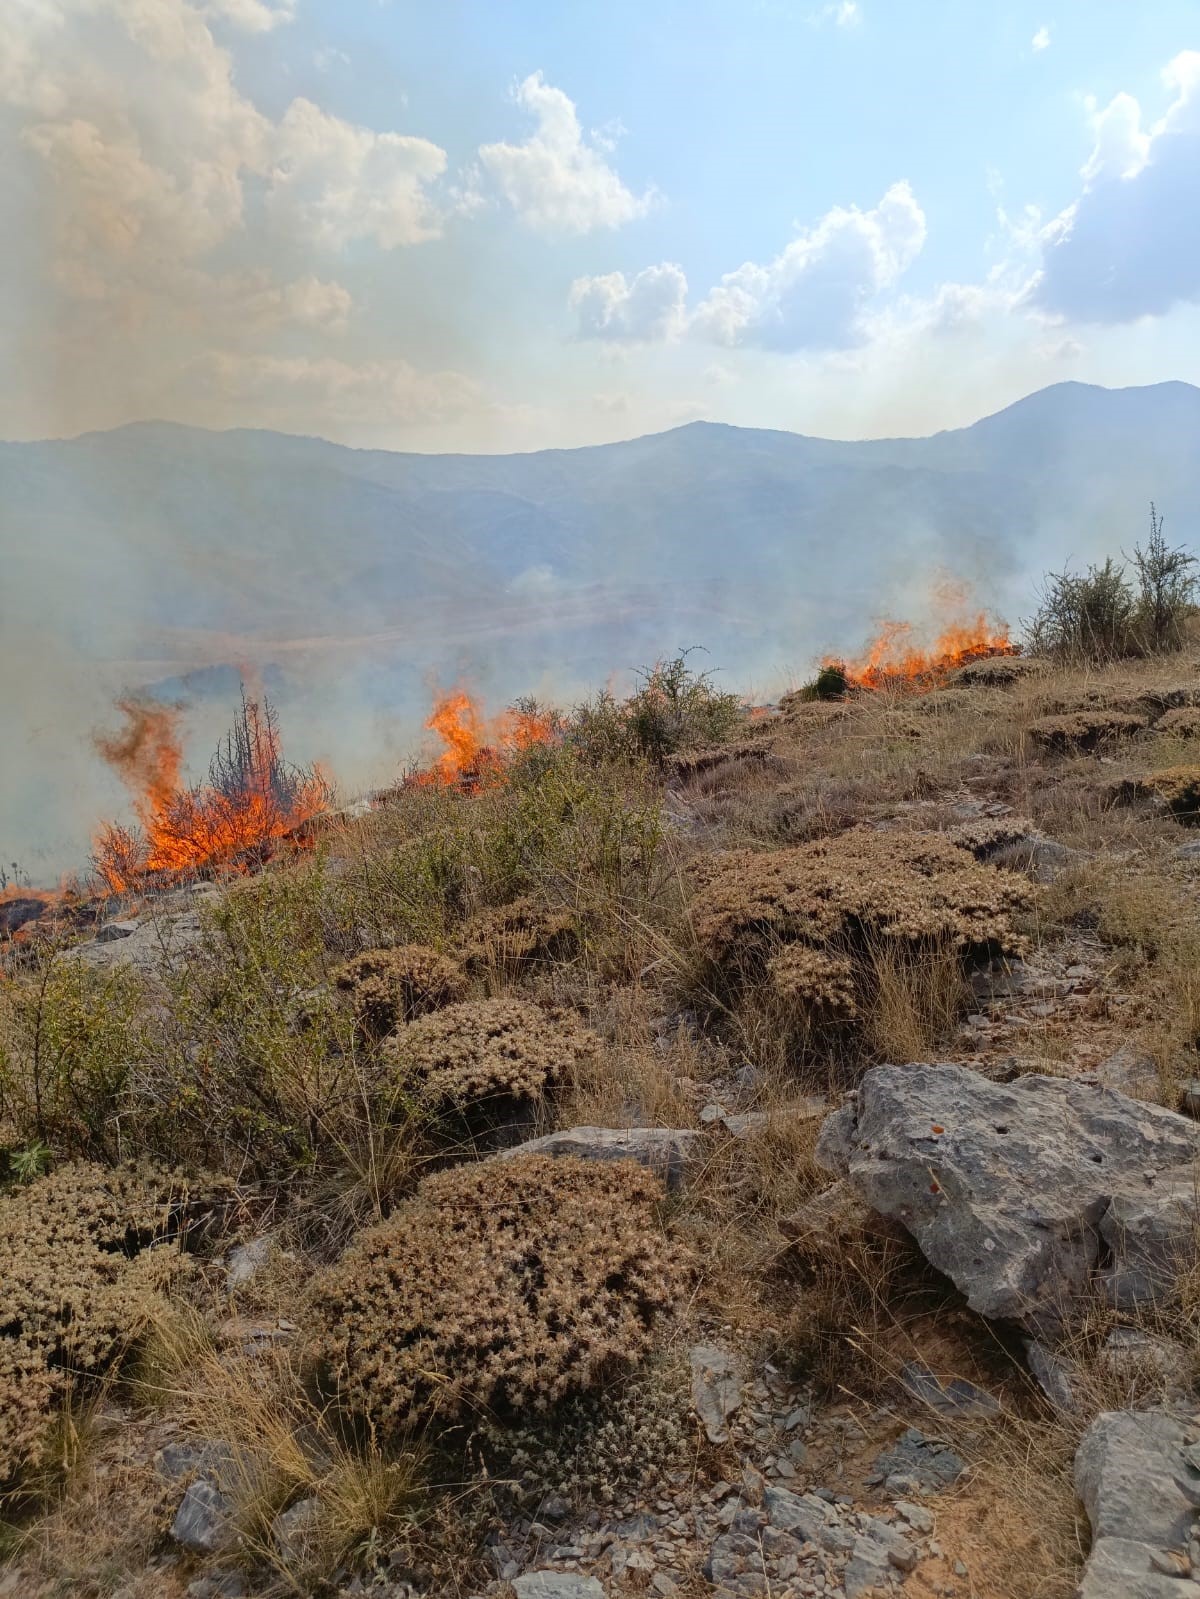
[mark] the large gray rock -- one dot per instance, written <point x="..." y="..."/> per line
<point x="1139" y="1490"/>
<point x="1023" y="1193"/>
<point x="666" y="1151"/>
<point x="203" y="1523"/>
<point x="556" y="1585"/>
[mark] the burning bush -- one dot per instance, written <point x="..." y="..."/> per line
<point x="505" y="937"/>
<point x="253" y="797"/>
<point x="840" y="901"/>
<point x="388" y="987"/>
<point x="1084" y="731"/>
<point x="507" y="1286"/>
<point x="488" y="1052"/>
<point x="77" y="1283"/>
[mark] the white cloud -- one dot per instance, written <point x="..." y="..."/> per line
<point x="813" y="294"/>
<point x="1129" y="246"/>
<point x="340" y="182"/>
<point x="1040" y="40"/>
<point x="254" y="16"/>
<point x="841" y="13"/>
<point x="647" y="307"/>
<point x="558" y="181"/>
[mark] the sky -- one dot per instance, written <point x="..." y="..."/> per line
<point x="490" y="226"/>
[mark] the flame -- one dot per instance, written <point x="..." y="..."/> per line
<point x="251" y="801"/>
<point x="477" y="749"/>
<point x="896" y="658"/>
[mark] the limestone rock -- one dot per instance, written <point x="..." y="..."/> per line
<point x="1018" y="1191"/>
<point x="666" y="1151"/>
<point x="1131" y="1473"/>
<point x="716" y="1389"/>
<point x="556" y="1585"/>
<point x="202" y="1523"/>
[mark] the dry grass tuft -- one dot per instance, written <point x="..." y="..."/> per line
<point x="507" y="939"/>
<point x="1084" y="731"/>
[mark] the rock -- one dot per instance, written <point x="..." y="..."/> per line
<point x="150" y="945"/>
<point x="716" y="1389"/>
<point x="1188" y="852"/>
<point x="1052" y="1374"/>
<point x="867" y="1570"/>
<point x="202" y="1524"/>
<point x="924" y="1464"/>
<point x="1022" y="1193"/>
<point x="219" y="1585"/>
<point x="111" y="931"/>
<point x="246" y="1260"/>
<point x="1129" y="1073"/>
<point x="1189" y="1100"/>
<point x="1043" y="859"/>
<point x="807" y="1516"/>
<point x="1131" y="1474"/>
<point x="669" y="1152"/>
<point x="918" y="1518"/>
<point x="1160" y="1363"/>
<point x="957" y="1397"/>
<point x="294" y="1529"/>
<point x="556" y="1585"/>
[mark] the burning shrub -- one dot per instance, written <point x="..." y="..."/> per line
<point x="79" y="1272"/>
<point x="505" y="937"/>
<point x="388" y="987"/>
<point x="507" y="1285"/>
<point x="487" y="1051"/>
<point x="845" y="899"/>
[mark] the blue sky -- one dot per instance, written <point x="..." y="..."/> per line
<point x="495" y="226"/>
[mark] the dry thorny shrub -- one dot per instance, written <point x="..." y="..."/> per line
<point x="78" y="1280"/>
<point x="1084" y="730"/>
<point x="508" y="938"/>
<point x="499" y="1051"/>
<point x="832" y="919"/>
<point x="505" y="1286"/>
<point x="390" y="986"/>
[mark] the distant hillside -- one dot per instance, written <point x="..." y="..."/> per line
<point x="158" y="552"/>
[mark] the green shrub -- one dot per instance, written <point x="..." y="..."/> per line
<point x="506" y="1286"/>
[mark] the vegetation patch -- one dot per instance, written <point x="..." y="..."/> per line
<point x="1182" y="722"/>
<point x="1177" y="788"/>
<point x="484" y="1052"/>
<point x="845" y="899"/>
<point x="995" y="671"/>
<point x="518" y="934"/>
<point x="77" y="1283"/>
<point x="388" y="987"/>
<point x="506" y="1286"/>
<point x="1079" y="732"/>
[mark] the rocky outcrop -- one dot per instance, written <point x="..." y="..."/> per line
<point x="1135" y="1475"/>
<point x="666" y="1151"/>
<point x="1024" y="1194"/>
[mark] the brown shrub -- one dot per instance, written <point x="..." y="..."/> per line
<point x="76" y="1283"/>
<point x="506" y="1285"/>
<point x="518" y="934"/>
<point x="1076" y="731"/>
<point x="860" y="885"/>
<point x="1183" y="722"/>
<point x="1175" y="787"/>
<point x="488" y="1050"/>
<point x="995" y="671"/>
<point x="390" y="986"/>
<point x="988" y="835"/>
<point x="821" y="982"/>
<point x="689" y="764"/>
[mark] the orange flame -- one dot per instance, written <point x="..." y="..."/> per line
<point x="252" y="800"/>
<point x="895" y="657"/>
<point x="477" y="750"/>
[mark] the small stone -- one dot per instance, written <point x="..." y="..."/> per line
<point x="956" y="1397"/>
<point x="716" y="1389"/>
<point x="556" y="1585"/>
<point x="959" y="1569"/>
<point x="202" y="1522"/>
<point x="246" y="1260"/>
<point x="918" y="1518"/>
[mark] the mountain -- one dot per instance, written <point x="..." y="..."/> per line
<point x="158" y="554"/>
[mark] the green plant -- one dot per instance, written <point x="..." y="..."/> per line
<point x="1166" y="590"/>
<point x="1085" y="617"/>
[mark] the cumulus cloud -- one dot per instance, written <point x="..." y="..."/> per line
<point x="255" y="16"/>
<point x="558" y="181"/>
<point x="649" y="306"/>
<point x="1040" y="40"/>
<point x="340" y="182"/>
<point x="1129" y="246"/>
<point x="812" y="296"/>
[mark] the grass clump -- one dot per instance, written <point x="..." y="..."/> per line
<point x="1181" y="722"/>
<point x="77" y="1284"/>
<point x="489" y="1052"/>
<point x="504" y="1286"/>
<point x="388" y="987"/>
<point x="508" y="938"/>
<point x="1175" y="787"/>
<point x="673" y="708"/>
